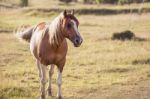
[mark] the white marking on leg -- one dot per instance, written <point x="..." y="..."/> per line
<point x="51" y="71"/>
<point x="39" y="68"/>
<point x="43" y="81"/>
<point x="59" y="82"/>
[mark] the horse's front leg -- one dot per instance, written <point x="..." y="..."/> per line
<point x="42" y="74"/>
<point x="59" y="78"/>
<point x="59" y="82"/>
<point x="51" y="72"/>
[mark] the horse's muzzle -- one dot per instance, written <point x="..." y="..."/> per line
<point x="77" y="41"/>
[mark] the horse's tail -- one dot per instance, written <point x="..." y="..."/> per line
<point x="25" y="33"/>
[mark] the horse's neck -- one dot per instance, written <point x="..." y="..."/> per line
<point x="55" y="33"/>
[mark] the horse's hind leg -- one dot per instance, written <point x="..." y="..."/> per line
<point x="51" y="71"/>
<point x="42" y="74"/>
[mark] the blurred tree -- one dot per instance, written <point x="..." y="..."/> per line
<point x="24" y="3"/>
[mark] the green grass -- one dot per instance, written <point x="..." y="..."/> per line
<point x="100" y="68"/>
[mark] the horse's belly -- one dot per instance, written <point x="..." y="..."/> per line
<point x="52" y="59"/>
<point x="47" y="60"/>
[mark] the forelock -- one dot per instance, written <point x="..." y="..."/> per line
<point x="72" y="17"/>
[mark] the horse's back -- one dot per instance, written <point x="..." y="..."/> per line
<point x="41" y="25"/>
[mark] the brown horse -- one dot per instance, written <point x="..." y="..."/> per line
<point x="49" y="47"/>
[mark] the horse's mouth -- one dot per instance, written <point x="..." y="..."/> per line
<point x="77" y="42"/>
<point x="77" y="45"/>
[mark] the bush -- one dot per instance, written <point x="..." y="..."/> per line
<point x="125" y="35"/>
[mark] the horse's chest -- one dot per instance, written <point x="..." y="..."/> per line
<point x="48" y="55"/>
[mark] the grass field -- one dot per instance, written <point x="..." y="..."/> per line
<point x="100" y="69"/>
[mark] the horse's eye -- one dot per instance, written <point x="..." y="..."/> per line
<point x="68" y="25"/>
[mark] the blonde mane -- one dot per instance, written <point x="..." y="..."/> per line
<point x="55" y="33"/>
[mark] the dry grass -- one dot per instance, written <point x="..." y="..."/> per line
<point x="100" y="68"/>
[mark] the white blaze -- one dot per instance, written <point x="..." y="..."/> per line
<point x="59" y="82"/>
<point x="76" y="29"/>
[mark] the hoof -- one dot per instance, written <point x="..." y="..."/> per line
<point x="49" y="92"/>
<point x="42" y="96"/>
<point x="59" y="97"/>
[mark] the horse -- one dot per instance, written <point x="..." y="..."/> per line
<point x="48" y="45"/>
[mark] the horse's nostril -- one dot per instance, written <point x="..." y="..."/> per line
<point x="77" y="41"/>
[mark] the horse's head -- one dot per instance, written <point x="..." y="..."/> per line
<point x="70" y="28"/>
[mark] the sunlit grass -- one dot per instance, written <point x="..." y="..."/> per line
<point x="99" y="68"/>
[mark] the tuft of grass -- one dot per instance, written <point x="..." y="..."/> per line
<point x="14" y="92"/>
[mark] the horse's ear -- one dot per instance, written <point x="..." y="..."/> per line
<point x="65" y="13"/>
<point x="72" y="12"/>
